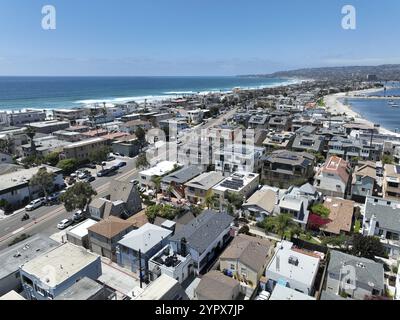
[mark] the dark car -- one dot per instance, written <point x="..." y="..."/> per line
<point x="103" y="173"/>
<point x="90" y="179"/>
<point x="122" y="164"/>
<point x="91" y="166"/>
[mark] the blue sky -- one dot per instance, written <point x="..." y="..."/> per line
<point x="193" y="37"/>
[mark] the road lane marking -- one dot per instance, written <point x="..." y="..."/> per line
<point x="18" y="231"/>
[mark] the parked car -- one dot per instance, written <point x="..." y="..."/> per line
<point x="89" y="179"/>
<point x="122" y="164"/>
<point x="91" y="166"/>
<point x="110" y="158"/>
<point x="64" y="224"/>
<point x="103" y="173"/>
<point x="35" y="204"/>
<point x="135" y="182"/>
<point x="78" y="216"/>
<point x="83" y="175"/>
<point x="53" y="197"/>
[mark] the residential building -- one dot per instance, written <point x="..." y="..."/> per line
<point x="307" y="191"/>
<point x="48" y="275"/>
<point x="171" y="263"/>
<point x="216" y="286"/>
<point x="47" y="127"/>
<point x="44" y="146"/>
<point x="81" y="150"/>
<point x="280" y="123"/>
<point x="87" y="289"/>
<point x="131" y="126"/>
<point x="237" y="157"/>
<point x="334" y="178"/>
<point x="20" y="118"/>
<point x="285" y="168"/>
<point x="146" y="177"/>
<point x="382" y="219"/>
<point x="66" y="135"/>
<point x="278" y="141"/>
<point x="351" y="148"/>
<point x="104" y="236"/>
<point x="203" y="237"/>
<point x="308" y="142"/>
<point x="127" y="146"/>
<point x="70" y="115"/>
<point x="247" y="257"/>
<point x="242" y="184"/>
<point x="123" y="201"/>
<point x="354" y="277"/>
<point x="263" y="203"/>
<point x="15" y="187"/>
<point x="15" y="256"/>
<point x="258" y="122"/>
<point x="391" y="182"/>
<point x="293" y="268"/>
<point x="163" y="288"/>
<point x="282" y="293"/>
<point x="364" y="181"/>
<point x="174" y="183"/>
<point x="136" y="248"/>
<point x="340" y="219"/>
<point x="79" y="235"/>
<point x="197" y="188"/>
<point x="296" y="206"/>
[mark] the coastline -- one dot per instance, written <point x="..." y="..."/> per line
<point x="49" y="103"/>
<point x="335" y="106"/>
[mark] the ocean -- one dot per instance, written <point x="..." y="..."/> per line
<point x="378" y="111"/>
<point x="70" y="92"/>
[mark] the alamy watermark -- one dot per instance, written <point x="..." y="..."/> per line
<point x="349" y="21"/>
<point x="49" y="20"/>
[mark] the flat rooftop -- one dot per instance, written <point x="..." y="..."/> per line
<point x="160" y="169"/>
<point x="237" y="181"/>
<point x="66" y="260"/>
<point x="84" y="289"/>
<point x="22" y="177"/>
<point x="157" y="289"/>
<point x="81" y="230"/>
<point x="285" y="260"/>
<point x="15" y="256"/>
<point x="84" y="143"/>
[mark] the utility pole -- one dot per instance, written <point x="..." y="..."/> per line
<point x="140" y="269"/>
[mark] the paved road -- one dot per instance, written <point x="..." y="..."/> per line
<point x="45" y="219"/>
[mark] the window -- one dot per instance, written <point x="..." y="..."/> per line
<point x="233" y="267"/>
<point x="244" y="272"/>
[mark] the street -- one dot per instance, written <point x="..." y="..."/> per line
<point x="45" y="219"/>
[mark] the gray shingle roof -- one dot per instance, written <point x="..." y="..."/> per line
<point x="388" y="217"/>
<point x="183" y="175"/>
<point x="371" y="272"/>
<point x="202" y="231"/>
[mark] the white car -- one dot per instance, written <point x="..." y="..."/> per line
<point x="64" y="224"/>
<point x="35" y="204"/>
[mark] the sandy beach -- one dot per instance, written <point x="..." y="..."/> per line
<point x="335" y="106"/>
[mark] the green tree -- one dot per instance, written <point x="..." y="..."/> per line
<point x="387" y="159"/>
<point x="43" y="180"/>
<point x="321" y="210"/>
<point x="99" y="155"/>
<point x="31" y="161"/>
<point x="78" y="196"/>
<point x="157" y="183"/>
<point x="68" y="165"/>
<point x="141" y="136"/>
<point x="52" y="158"/>
<point x="209" y="199"/>
<point x="31" y="132"/>
<point x="235" y="199"/>
<point x="141" y="161"/>
<point x="367" y="247"/>
<point x="152" y="212"/>
<point x="283" y="225"/>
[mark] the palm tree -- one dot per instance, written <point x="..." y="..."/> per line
<point x="282" y="225"/>
<point x="170" y="189"/>
<point x="209" y="199"/>
<point x="31" y="132"/>
<point x="157" y="183"/>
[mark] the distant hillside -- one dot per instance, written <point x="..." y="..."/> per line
<point x="383" y="72"/>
